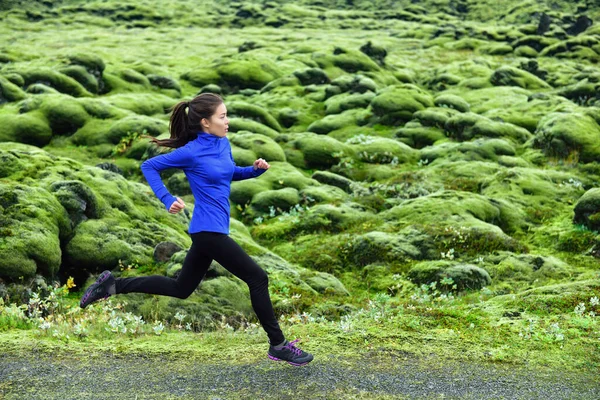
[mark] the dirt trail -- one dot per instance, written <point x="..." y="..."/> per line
<point x="106" y="376"/>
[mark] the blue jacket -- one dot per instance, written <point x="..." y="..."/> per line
<point x="208" y="165"/>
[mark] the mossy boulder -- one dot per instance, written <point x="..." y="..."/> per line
<point x="350" y="84"/>
<point x="398" y="104"/>
<point x="348" y="60"/>
<point x="334" y="122"/>
<point x="417" y="136"/>
<point x="587" y="210"/>
<point x="408" y="244"/>
<point x="254" y="112"/>
<point x="452" y="101"/>
<point x="242" y="192"/>
<point x="282" y="199"/>
<point x="56" y="80"/>
<point x="81" y="75"/>
<point x="262" y="146"/>
<point x="434" y="116"/>
<point x="385" y="151"/>
<point x="248" y="125"/>
<point x="9" y="92"/>
<point x="324" y="282"/>
<point x="467" y="126"/>
<point x="32" y="225"/>
<point x="329" y="178"/>
<point x="477" y="150"/>
<point x="464" y="276"/>
<point x="322" y="194"/>
<point x="317" y="151"/>
<point x="526" y="267"/>
<point x="30" y="128"/>
<point x="569" y="135"/>
<point x="312" y="76"/>
<point x="343" y="102"/>
<point x="64" y="114"/>
<point x="511" y="76"/>
<point x="77" y="199"/>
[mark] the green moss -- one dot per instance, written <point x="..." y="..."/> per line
<point x="33" y="222"/>
<point x="569" y="135"/>
<point x="320" y="151"/>
<point x="64" y="114"/>
<point x="241" y="124"/>
<point x="338" y="121"/>
<point x="417" y="136"/>
<point x="251" y="111"/>
<point x="470" y="125"/>
<point x="343" y="102"/>
<point x="323" y="194"/>
<point x="329" y="178"/>
<point x="526" y="51"/>
<point x="385" y="151"/>
<point x="262" y="146"/>
<point x="30" y="128"/>
<point x="81" y="75"/>
<point x="434" y="116"/>
<point x="324" y="282"/>
<point x="10" y="92"/>
<point x="56" y="80"/>
<point x="452" y="101"/>
<point x="510" y="76"/>
<point x="141" y="103"/>
<point x="587" y="210"/>
<point x="477" y="150"/>
<point x="282" y="199"/>
<point x="311" y="76"/>
<point x="399" y="103"/>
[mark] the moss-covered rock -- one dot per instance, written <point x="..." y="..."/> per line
<point x="434" y="116"/>
<point x="30" y="128"/>
<point x="587" y="210"/>
<point x="351" y="84"/>
<point x="32" y="224"/>
<point x="526" y="267"/>
<point x="510" y="76"/>
<point x="262" y="146"/>
<point x="343" y="102"/>
<point x="55" y="80"/>
<point x="10" y="92"/>
<point x="569" y="135"/>
<point x="477" y="150"/>
<point x="64" y="114"/>
<point x="467" y="126"/>
<point x="334" y="122"/>
<point x="322" y="194"/>
<point x="384" y="151"/>
<point x="464" y="276"/>
<point x="348" y="60"/>
<point x="329" y="178"/>
<point x="282" y="199"/>
<point x="318" y="151"/>
<point x="81" y="75"/>
<point x="398" y="104"/>
<point x="417" y="136"/>
<point x="251" y="111"/>
<point x="248" y="125"/>
<point x="376" y="246"/>
<point x="312" y="76"/>
<point x="452" y="101"/>
<point x="323" y="282"/>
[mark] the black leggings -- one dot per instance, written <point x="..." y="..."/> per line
<point x="208" y="246"/>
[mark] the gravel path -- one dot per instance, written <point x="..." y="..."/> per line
<point x="374" y="376"/>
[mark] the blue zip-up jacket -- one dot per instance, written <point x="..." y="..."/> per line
<point x="209" y="167"/>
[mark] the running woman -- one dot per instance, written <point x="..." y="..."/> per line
<point x="198" y="131"/>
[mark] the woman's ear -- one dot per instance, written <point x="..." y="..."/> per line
<point x="204" y="122"/>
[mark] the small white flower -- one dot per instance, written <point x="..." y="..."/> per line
<point x="594" y="301"/>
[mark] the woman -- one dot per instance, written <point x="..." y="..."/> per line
<point x="203" y="152"/>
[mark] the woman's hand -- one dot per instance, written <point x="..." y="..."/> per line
<point x="262" y="164"/>
<point x="177" y="206"/>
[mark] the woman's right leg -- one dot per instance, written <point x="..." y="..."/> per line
<point x="194" y="268"/>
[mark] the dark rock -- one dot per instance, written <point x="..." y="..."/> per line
<point x="164" y="250"/>
<point x="583" y="22"/>
<point x="107" y="166"/>
<point x="376" y="53"/>
<point x="544" y="24"/>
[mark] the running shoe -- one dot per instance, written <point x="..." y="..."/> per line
<point x="291" y="354"/>
<point x="98" y="290"/>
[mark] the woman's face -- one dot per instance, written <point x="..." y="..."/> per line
<point x="217" y="124"/>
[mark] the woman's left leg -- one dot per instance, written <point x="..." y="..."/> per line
<point x="233" y="258"/>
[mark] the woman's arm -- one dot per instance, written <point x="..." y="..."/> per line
<point x="178" y="158"/>
<point x="259" y="167"/>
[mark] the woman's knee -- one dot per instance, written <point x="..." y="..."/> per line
<point x="260" y="278"/>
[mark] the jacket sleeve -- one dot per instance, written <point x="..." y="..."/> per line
<point x="178" y="158"/>
<point x="241" y="173"/>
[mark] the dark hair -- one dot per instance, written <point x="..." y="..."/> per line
<point x="184" y="126"/>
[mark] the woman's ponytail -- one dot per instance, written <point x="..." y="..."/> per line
<point x="184" y="125"/>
